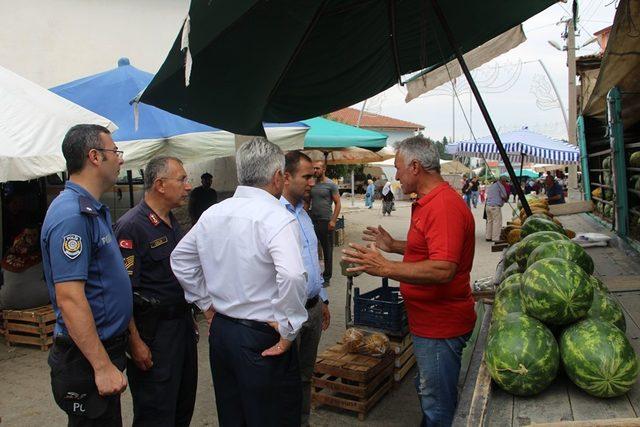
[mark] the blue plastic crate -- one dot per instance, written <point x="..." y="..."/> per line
<point x="382" y="308"/>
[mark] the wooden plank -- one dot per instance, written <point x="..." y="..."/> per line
<point x="633" y="333"/>
<point x="631" y="303"/>
<point x="622" y="283"/>
<point x="398" y="345"/>
<point x="362" y="407"/>
<point x="399" y="374"/>
<point x="586" y="407"/>
<point x="461" y="417"/>
<point x="549" y="406"/>
<point x="499" y="409"/>
<point x="30" y="329"/>
<point x="619" y="422"/>
<point x="401" y="360"/>
<point x="357" y="390"/>
<point x="27" y="339"/>
<point x="356" y="367"/>
<point x="480" y="398"/>
<point x="569" y="208"/>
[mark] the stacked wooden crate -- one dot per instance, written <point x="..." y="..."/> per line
<point x="33" y="326"/>
<point x="354" y="382"/>
<point x="404" y="358"/>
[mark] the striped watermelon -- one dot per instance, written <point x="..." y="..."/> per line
<point x="512" y="269"/>
<point x="522" y="355"/>
<point x="564" y="249"/>
<point x="598" y="358"/>
<point x="507" y="298"/>
<point x="534" y="225"/>
<point x="510" y="255"/>
<point x="532" y="241"/>
<point x="634" y="160"/>
<point x="607" y="308"/>
<point x="556" y="291"/>
<point x="597" y="284"/>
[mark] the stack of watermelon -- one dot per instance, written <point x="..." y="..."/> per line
<point x="547" y="287"/>
<point x="541" y="219"/>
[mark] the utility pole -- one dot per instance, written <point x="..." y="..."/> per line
<point x="453" y="111"/>
<point x="573" y="102"/>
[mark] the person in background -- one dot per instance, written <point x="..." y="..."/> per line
<point x="242" y="265"/>
<point x="434" y="275"/>
<point x="202" y="197"/>
<point x="88" y="284"/>
<point x="298" y="181"/>
<point x="387" y="199"/>
<point x="368" y="195"/>
<point x="466" y="190"/>
<point x="497" y="195"/>
<point x="474" y="188"/>
<point x="324" y="195"/>
<point x="163" y="367"/>
<point x="554" y="191"/>
<point x="483" y="192"/>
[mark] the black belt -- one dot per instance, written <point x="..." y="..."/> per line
<point x="311" y="302"/>
<point x="253" y="324"/>
<point x="65" y="341"/>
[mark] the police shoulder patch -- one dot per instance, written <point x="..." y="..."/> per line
<point x="129" y="262"/>
<point x="72" y="246"/>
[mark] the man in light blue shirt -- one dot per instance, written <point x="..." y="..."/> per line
<point x="298" y="180"/>
<point x="497" y="195"/>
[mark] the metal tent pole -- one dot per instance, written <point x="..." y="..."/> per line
<point x="481" y="105"/>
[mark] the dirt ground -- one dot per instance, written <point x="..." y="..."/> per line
<point x="25" y="396"/>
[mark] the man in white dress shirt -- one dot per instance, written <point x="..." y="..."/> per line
<point x="241" y="264"/>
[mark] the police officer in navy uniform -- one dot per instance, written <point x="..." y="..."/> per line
<point x="162" y="370"/>
<point x="88" y="284"/>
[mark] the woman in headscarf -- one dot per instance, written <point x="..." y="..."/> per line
<point x="387" y="199"/>
<point x="368" y="196"/>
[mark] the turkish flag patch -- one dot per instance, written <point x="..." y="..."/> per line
<point x="126" y="244"/>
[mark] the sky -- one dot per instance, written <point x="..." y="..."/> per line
<point x="506" y="82"/>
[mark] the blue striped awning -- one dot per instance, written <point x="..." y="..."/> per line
<point x="535" y="147"/>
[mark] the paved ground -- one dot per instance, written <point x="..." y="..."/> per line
<point x="25" y="397"/>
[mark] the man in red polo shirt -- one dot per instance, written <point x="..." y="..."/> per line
<point x="434" y="275"/>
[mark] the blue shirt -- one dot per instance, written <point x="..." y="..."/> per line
<point x="309" y="243"/>
<point x="496" y="194"/>
<point x="78" y="244"/>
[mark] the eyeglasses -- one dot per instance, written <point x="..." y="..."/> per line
<point x="119" y="153"/>
<point x="186" y="180"/>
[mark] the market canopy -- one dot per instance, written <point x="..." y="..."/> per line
<point x="33" y="122"/>
<point x="533" y="146"/>
<point x="158" y="132"/>
<point x="328" y="134"/>
<point x="428" y="80"/>
<point x="524" y="172"/>
<point x="236" y="64"/>
<point x="349" y="156"/>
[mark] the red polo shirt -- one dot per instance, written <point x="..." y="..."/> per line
<point x="442" y="229"/>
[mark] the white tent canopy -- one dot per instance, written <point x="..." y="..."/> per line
<point x="484" y="53"/>
<point x="33" y="122"/>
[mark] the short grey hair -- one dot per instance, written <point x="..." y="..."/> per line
<point x="257" y="161"/>
<point x="157" y="167"/>
<point x="420" y="149"/>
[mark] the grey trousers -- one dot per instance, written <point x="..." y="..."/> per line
<point x="307" y="342"/>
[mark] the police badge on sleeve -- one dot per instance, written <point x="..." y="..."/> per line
<point x="72" y="246"/>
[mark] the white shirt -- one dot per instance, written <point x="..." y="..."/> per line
<point x="243" y="257"/>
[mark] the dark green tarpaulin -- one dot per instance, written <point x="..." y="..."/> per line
<point x="287" y="60"/>
<point x="329" y="134"/>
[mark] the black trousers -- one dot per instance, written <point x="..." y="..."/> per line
<point x="325" y="237"/>
<point x="253" y="390"/>
<point x="165" y="395"/>
<point x="73" y="384"/>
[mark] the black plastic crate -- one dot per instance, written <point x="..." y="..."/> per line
<point x="382" y="308"/>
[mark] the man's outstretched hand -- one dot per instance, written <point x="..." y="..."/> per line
<point x="380" y="237"/>
<point x="368" y="259"/>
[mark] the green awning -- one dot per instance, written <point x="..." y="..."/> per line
<point x="249" y="61"/>
<point x="329" y="134"/>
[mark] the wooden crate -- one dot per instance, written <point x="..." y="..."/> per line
<point x="405" y="359"/>
<point x="338" y="237"/>
<point x="32" y="326"/>
<point x="348" y="381"/>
